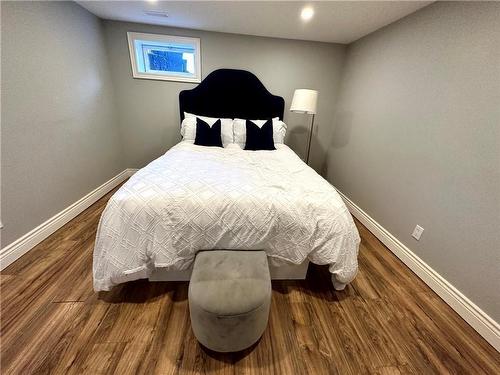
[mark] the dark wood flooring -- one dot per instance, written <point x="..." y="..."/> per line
<point x="386" y="322"/>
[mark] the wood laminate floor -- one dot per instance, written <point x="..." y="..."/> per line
<point x="386" y="322"/>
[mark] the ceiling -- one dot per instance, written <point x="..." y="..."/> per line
<point x="333" y="21"/>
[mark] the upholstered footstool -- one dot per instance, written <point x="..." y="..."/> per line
<point x="229" y="298"/>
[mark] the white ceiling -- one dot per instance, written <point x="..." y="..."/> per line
<point x="333" y="21"/>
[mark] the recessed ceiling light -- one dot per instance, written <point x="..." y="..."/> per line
<point x="156" y="13"/>
<point x="152" y="1"/>
<point x="307" y="13"/>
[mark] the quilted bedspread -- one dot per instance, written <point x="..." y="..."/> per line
<point x="197" y="198"/>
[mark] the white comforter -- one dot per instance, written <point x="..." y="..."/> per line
<point x="195" y="198"/>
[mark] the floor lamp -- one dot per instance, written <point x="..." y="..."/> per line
<point x="304" y="101"/>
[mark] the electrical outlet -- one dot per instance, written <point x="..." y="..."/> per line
<point x="417" y="232"/>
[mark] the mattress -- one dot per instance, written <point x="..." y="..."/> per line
<point x="196" y="198"/>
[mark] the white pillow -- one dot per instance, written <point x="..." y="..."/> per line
<point x="188" y="127"/>
<point x="240" y="130"/>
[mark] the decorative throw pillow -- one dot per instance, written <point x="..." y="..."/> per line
<point x="207" y="135"/>
<point x="188" y="127"/>
<point x="259" y="138"/>
<point x="240" y="130"/>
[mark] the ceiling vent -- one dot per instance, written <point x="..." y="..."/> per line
<point x="156" y="13"/>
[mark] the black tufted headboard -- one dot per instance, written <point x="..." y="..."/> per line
<point x="231" y="93"/>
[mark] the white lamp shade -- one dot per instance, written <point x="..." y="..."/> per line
<point x="304" y="101"/>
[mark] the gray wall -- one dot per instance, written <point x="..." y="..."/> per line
<point x="149" y="110"/>
<point x="60" y="138"/>
<point x="416" y="139"/>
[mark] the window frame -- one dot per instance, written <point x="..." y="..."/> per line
<point x="133" y="36"/>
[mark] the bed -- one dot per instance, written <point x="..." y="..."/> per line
<point x="196" y="198"/>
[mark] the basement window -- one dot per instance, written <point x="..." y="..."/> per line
<point x="165" y="57"/>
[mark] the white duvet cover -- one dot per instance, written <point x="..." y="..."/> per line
<point x="196" y="198"/>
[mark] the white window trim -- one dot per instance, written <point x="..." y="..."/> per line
<point x="165" y="39"/>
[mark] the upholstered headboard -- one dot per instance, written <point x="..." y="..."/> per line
<point x="231" y="93"/>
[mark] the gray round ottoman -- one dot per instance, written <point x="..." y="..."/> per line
<point x="229" y="298"/>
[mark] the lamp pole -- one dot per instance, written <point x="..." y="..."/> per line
<point x="304" y="101"/>
<point x="310" y="138"/>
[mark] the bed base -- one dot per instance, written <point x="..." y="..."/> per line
<point x="282" y="272"/>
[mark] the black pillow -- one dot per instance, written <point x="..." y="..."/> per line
<point x="206" y="135"/>
<point x="260" y="138"/>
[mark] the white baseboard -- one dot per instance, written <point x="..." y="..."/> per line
<point x="21" y="246"/>
<point x="472" y="314"/>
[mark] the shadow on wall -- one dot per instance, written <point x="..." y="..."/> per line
<point x="297" y="138"/>
<point x="341" y="136"/>
<point x="342" y="127"/>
